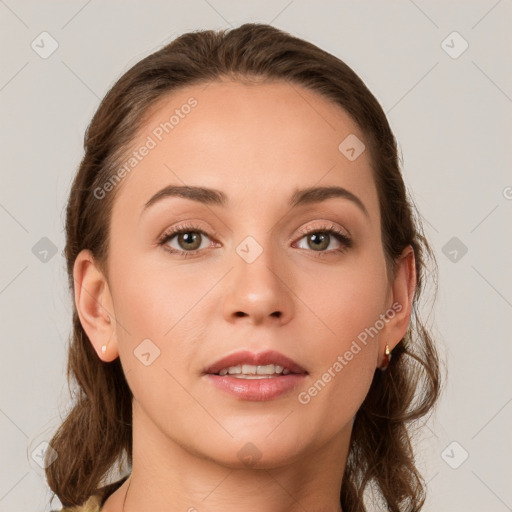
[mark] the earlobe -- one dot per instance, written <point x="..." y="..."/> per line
<point x="94" y="305"/>
<point x="403" y="290"/>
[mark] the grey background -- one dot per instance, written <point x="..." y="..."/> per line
<point x="451" y="116"/>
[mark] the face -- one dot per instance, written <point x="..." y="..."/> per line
<point x="249" y="269"/>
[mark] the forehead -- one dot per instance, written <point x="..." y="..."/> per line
<point x="256" y="110"/>
<point x="249" y="140"/>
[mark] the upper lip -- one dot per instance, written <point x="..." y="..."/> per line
<point x="260" y="358"/>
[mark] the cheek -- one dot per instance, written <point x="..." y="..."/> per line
<point x="345" y="302"/>
<point x="161" y="320"/>
<point x="155" y="333"/>
<point x="344" y="360"/>
<point x="335" y="394"/>
<point x="349" y="306"/>
<point x="150" y="301"/>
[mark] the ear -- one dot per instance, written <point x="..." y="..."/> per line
<point x="95" y="306"/>
<point x="400" y="305"/>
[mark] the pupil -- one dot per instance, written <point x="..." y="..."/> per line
<point x="189" y="238"/>
<point x="322" y="237"/>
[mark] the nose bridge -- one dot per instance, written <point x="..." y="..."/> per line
<point x="256" y="287"/>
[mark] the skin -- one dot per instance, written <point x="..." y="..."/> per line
<point x="256" y="143"/>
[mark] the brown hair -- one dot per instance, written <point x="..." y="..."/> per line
<point x="97" y="432"/>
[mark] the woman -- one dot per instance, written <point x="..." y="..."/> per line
<point x="245" y="263"/>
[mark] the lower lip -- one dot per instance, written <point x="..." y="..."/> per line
<point x="257" y="389"/>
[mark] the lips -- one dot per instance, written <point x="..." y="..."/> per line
<point x="261" y="358"/>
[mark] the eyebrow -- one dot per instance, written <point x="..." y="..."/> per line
<point x="218" y="198"/>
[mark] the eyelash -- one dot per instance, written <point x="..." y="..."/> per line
<point x="345" y="241"/>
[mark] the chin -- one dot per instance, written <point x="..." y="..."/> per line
<point x="257" y="451"/>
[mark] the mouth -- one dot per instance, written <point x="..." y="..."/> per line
<point x="258" y="377"/>
<point x="250" y="371"/>
<point x="245" y="364"/>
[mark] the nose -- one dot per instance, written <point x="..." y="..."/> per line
<point x="259" y="292"/>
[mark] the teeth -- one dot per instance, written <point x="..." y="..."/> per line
<point x="253" y="371"/>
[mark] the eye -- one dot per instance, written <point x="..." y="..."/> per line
<point x="320" y="238"/>
<point x="188" y="240"/>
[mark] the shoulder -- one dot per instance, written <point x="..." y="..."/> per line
<point x="96" y="500"/>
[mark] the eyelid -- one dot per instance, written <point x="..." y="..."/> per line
<point x="325" y="225"/>
<point x="172" y="231"/>
<point x="341" y="234"/>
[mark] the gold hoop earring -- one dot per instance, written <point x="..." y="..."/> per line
<point x="387" y="358"/>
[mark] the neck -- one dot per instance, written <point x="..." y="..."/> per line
<point x="167" y="476"/>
